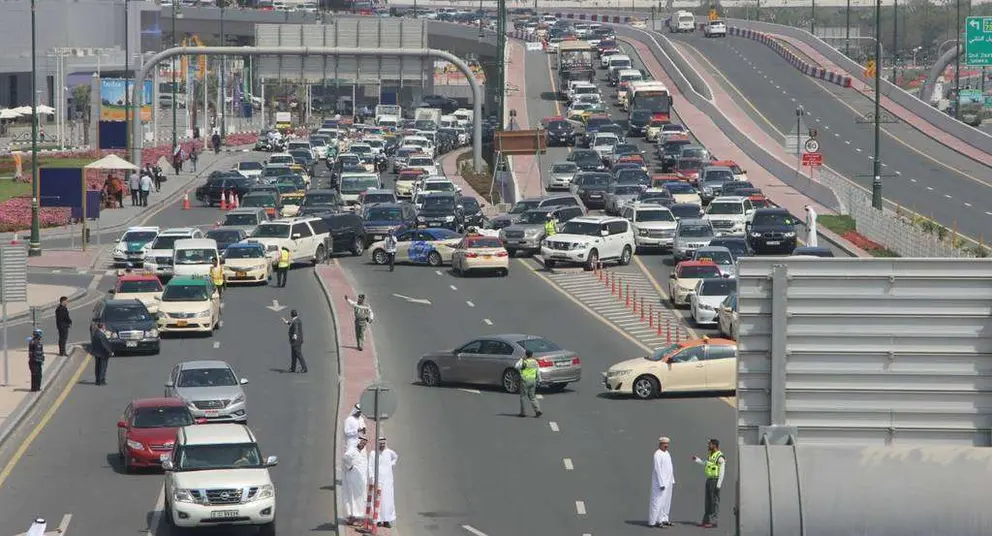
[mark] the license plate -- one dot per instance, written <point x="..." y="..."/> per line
<point x="562" y="364"/>
<point x="377" y="237"/>
<point x="131" y="344"/>
<point x="180" y="323"/>
<point x="211" y="413"/>
<point x="519" y="242"/>
<point x="774" y="243"/>
<point x="241" y="274"/>
<point x="487" y="256"/>
<point x="223" y="514"/>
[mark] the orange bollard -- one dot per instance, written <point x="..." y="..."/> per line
<point x="658" y="324"/>
<point x="223" y="200"/>
<point x="627" y="296"/>
<point x="642" y="308"/>
<point x="650" y="316"/>
<point x="234" y="200"/>
<point x="613" y="283"/>
<point x="186" y="200"/>
<point x="369" y="504"/>
<point x="668" y="330"/>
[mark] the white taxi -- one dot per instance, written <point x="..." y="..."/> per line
<point x="246" y="262"/>
<point x="480" y="253"/>
<point x="142" y="286"/>
<point x="683" y="279"/>
<point x="189" y="304"/>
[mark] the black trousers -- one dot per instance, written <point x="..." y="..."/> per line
<point x="144" y="198"/>
<point x="100" y="364"/>
<point x="712" y="503"/>
<point x="281" y="274"/>
<point x="35" y="368"/>
<point x="135" y="197"/>
<point x="296" y="356"/>
<point x="392" y="261"/>
<point x="63" y="338"/>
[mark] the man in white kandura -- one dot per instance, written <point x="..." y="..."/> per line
<point x="386" y="515"/>
<point x="662" y="485"/>
<point x="354" y="426"/>
<point x="810" y="226"/>
<point x="355" y="482"/>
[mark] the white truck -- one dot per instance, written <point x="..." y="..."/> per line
<point x="422" y="116"/>
<point x="284" y="121"/>
<point x="388" y="115"/>
<point x="682" y="21"/>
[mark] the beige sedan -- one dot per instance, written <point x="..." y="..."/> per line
<point x="697" y="365"/>
<point x="480" y="253"/>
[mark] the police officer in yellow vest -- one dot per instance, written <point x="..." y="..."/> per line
<point x="282" y="269"/>
<point x="217" y="276"/>
<point x="714" y="467"/>
<point x="550" y="229"/>
<point x="530" y="376"/>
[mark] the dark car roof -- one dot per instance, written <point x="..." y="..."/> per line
<point x="321" y="191"/>
<point x="114" y="302"/>
<point x="772" y="210"/>
<point x="160" y="402"/>
<point x="440" y="194"/>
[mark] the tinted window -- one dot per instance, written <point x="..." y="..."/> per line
<point x="384" y="214"/>
<point x="484" y="242"/>
<point x="696" y="231"/>
<point x="471" y="204"/>
<point x="654" y="215"/>
<point x="319" y="227"/>
<point x="699" y="272"/>
<point x="721" y="351"/>
<point x="679" y="187"/>
<point x="560" y="202"/>
<point x="185" y="293"/>
<point x="717" y="287"/>
<point x="272" y="230"/>
<point x="539" y="346"/>
<point x="439" y="202"/>
<point x="569" y="167"/>
<point x="166" y="242"/>
<point x="301" y="229"/>
<point x="627" y="189"/>
<point x="224" y="235"/>
<point x="725" y="208"/>
<point x="250" y="165"/>
<point x="126" y="313"/>
<point x="719" y="257"/>
<point x="244" y="253"/>
<point x="719" y="175"/>
<point x="168" y="417"/>
<point x="471" y="348"/>
<point x="139" y="236"/>
<point x="207" y="377"/>
<point x="617" y="227"/>
<point x="139" y="285"/>
<point x="319" y="199"/>
<point x="581" y="228"/>
<point x="240" y="219"/>
<point x="777" y="219"/>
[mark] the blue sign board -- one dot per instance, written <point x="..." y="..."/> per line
<point x="92" y="207"/>
<point x="113" y="135"/>
<point x="61" y="187"/>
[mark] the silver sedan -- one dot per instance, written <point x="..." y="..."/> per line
<point x="491" y="360"/>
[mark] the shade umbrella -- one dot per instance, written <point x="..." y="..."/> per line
<point x="46" y="110"/>
<point x="110" y="162"/>
<point x="7" y="113"/>
<point x="24" y="110"/>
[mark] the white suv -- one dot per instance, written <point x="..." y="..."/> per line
<point x="158" y="256"/>
<point x="728" y="214"/>
<point x="589" y="240"/>
<point x="304" y="237"/>
<point x="654" y="225"/>
<point x="715" y="28"/>
<point x="215" y="475"/>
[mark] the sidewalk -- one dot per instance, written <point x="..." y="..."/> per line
<point x="16" y="398"/>
<point x="44" y="296"/>
<point x="526" y="173"/>
<point x="356" y="370"/>
<point x="73" y="259"/>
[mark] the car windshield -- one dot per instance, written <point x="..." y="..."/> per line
<point x="539" y="346"/>
<point x="440" y="202"/>
<point x="258" y="200"/>
<point x="654" y="215"/>
<point x="603" y="141"/>
<point x="318" y="142"/>
<point x="271" y="230"/>
<point x="349" y="160"/>
<point x="717" y="287"/>
<point x="696" y="231"/>
<point x="721" y="175"/>
<point x="207" y="377"/>
<point x="581" y="228"/>
<point x="626" y="189"/>
<point x="523" y="206"/>
<point x="275" y="171"/>
<point x="632" y="175"/>
<point x="319" y="199"/>
<point x="680" y="187"/>
<point x="240" y="219"/>
<point x="421" y="161"/>
<point x="244" y="253"/>
<point x="699" y="271"/>
<point x="534" y="218"/>
<point x="166" y="242"/>
<point x="776" y="219"/>
<point x="180" y="293"/>
<point x="371" y="198"/>
<point x="126" y="313"/>
<point x="139" y="285"/>
<point x="224" y="236"/>
<point x="640" y="115"/>
<point x="470" y="204"/>
<point x="360" y="149"/>
<point x="222" y="456"/>
<point x="484" y="242"/>
<point x="660" y="353"/>
<point x="689" y="164"/>
<point x="384" y="214"/>
<point x="719" y="257"/>
<point x="139" y="236"/>
<point x="685" y="211"/>
<point x="725" y="208"/>
<point x="439" y="186"/>
<point x="249" y="166"/>
<point x="357" y="185"/>
<point x="737" y="247"/>
<point x="196" y="256"/>
<point x="564" y="168"/>
<point x="167" y="417"/>
<point x="595" y="180"/>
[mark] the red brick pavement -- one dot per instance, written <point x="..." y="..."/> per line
<point x="67" y="258"/>
<point x="525" y="168"/>
<point x="916" y="121"/>
<point x="357" y="369"/>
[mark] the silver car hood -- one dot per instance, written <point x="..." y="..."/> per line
<point x="524" y="227"/>
<point x="209" y="393"/>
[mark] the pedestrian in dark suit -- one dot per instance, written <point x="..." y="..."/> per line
<point x="36" y="359"/>
<point x="63" y="323"/>
<point x="296" y="342"/>
<point x="102" y="352"/>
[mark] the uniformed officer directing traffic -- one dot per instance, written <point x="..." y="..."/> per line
<point x="530" y="373"/>
<point x="36" y="359"/>
<point x="102" y="352"/>
<point x="217" y="276"/>
<point x="363" y="317"/>
<point x="282" y="268"/>
<point x="714" y="467"/>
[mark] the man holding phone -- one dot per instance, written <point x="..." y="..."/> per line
<point x="296" y="342"/>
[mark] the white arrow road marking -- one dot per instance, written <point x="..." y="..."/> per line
<point x="470" y="304"/>
<point x="216" y="345"/>
<point x="487" y="321"/>
<point x="275" y="307"/>
<point x="568" y="464"/>
<point x="474" y="530"/>
<point x="64" y="524"/>
<point x="473" y="391"/>
<point x="413" y="300"/>
<point x="580" y="508"/>
<point x="553" y="425"/>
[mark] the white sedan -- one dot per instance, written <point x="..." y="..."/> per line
<point x="704" y="302"/>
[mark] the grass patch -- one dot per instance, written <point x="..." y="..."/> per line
<point x="838" y="224"/>
<point x="11" y="188"/>
<point x="480" y="182"/>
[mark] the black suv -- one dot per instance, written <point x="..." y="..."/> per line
<point x="472" y="212"/>
<point x="347" y="232"/>
<point x="560" y="132"/>
<point x="772" y="230"/>
<point x="320" y="200"/>
<point x="592" y="188"/>
<point x="129" y="325"/>
<point x="441" y="210"/>
<point x="222" y="182"/>
<point x="639" y="121"/>
<point x="381" y="218"/>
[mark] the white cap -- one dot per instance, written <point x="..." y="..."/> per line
<point x="664" y="439"/>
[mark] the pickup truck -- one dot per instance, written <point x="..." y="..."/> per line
<point x="222" y="182"/>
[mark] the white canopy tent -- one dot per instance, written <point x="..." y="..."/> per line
<point x="7" y="113"/>
<point x="112" y="162"/>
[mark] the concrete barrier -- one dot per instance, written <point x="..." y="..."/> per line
<point x="801" y="65"/>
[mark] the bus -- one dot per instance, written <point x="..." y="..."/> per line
<point x="575" y="62"/>
<point x="650" y="95"/>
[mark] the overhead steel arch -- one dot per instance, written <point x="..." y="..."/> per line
<point x="477" y="97"/>
<point x="943" y="61"/>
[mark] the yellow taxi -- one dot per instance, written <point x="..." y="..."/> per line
<point x="682" y="281"/>
<point x="480" y="253"/>
<point x="246" y="262"/>
<point x="298" y="169"/>
<point x="291" y="203"/>
<point x="697" y="365"/>
<point x="142" y="286"/>
<point x="189" y="304"/>
<point x="654" y="129"/>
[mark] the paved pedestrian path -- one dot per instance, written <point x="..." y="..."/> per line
<point x="40" y="295"/>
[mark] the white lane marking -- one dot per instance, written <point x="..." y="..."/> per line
<point x="222" y="305"/>
<point x="487" y="321"/>
<point x="580" y="508"/>
<point x="157" y="513"/>
<point x="967" y="204"/>
<point x="539" y="397"/>
<point x="454" y="287"/>
<point x="568" y="464"/>
<point x="858" y="150"/>
<point x="108" y="272"/>
<point x="793" y="99"/>
<point x="929" y="188"/>
<point x="474" y="530"/>
<point x="871" y="158"/>
<point x="911" y="180"/>
<point x="987" y="213"/>
<point x="473" y="391"/>
<point x="836" y="134"/>
<point x="470" y="304"/>
<point x="438" y="272"/>
<point x="848" y="142"/>
<point x="216" y="345"/>
<point x="947" y="196"/>
<point x="826" y="127"/>
<point x="900" y="173"/>
<point x="553" y="425"/>
<point x="82" y="272"/>
<point x="884" y="164"/>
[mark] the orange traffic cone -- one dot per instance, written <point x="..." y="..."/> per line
<point x="234" y="200"/>
<point x="186" y="200"/>
<point x="16" y="240"/>
<point x="223" y="200"/>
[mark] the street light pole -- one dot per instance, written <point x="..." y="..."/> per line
<point x="957" y="65"/>
<point x="223" y="75"/>
<point x="175" y="90"/>
<point x="895" y="38"/>
<point x="127" y="80"/>
<point x="34" y="244"/>
<point x="847" y="30"/>
<point x="812" y="19"/>
<point x="876" y="183"/>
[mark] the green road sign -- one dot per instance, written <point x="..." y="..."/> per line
<point x="988" y="101"/>
<point x="978" y="41"/>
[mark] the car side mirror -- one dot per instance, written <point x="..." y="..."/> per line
<point x="272" y="461"/>
<point x="671" y="276"/>
<point x="296" y="235"/>
<point x="244" y="381"/>
<point x="121" y="424"/>
<point x="170" y="384"/>
<point x="167" y="464"/>
<point x="604" y="232"/>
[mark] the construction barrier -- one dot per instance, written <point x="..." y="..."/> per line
<point x="804" y="67"/>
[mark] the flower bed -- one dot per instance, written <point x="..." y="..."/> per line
<point x="15" y="215"/>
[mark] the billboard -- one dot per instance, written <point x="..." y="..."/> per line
<point x="112" y="99"/>
<point x="61" y="187"/>
<point x="113" y="134"/>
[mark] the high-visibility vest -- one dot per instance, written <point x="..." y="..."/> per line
<point x="284" y="259"/>
<point x="528" y="372"/>
<point x="217" y="274"/>
<point x="712" y="467"/>
<point x="549" y="228"/>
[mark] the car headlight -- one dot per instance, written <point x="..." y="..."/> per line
<point x="421" y="219"/>
<point x="260" y="266"/>
<point x="790" y="234"/>
<point x="152" y="333"/>
<point x="755" y="235"/>
<point x="265" y="492"/>
<point x="618" y="373"/>
<point x="183" y="496"/>
<point x="449" y="218"/>
<point x="135" y="445"/>
<point x="118" y="251"/>
<point x="204" y="314"/>
<point x="113" y="335"/>
<point x="643" y="232"/>
<point x="238" y="399"/>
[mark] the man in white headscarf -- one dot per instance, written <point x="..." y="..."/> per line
<point x="662" y="484"/>
<point x="38" y="528"/>
<point x="386" y="515"/>
<point x="810" y="226"/>
<point x="354" y="483"/>
<point x="354" y="426"/>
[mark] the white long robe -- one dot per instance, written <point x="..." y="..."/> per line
<point x="811" y="227"/>
<point x="355" y="482"/>
<point x="663" y="475"/>
<point x="352" y="425"/>
<point x="387" y="500"/>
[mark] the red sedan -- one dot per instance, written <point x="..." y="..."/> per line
<point x="147" y="430"/>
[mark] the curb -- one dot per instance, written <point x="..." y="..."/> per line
<point x="77" y="295"/>
<point x="21" y="412"/>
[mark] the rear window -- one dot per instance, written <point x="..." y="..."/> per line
<point x="484" y="242"/>
<point x="539" y="346"/>
<point x="139" y="285"/>
<point x="698" y="272"/>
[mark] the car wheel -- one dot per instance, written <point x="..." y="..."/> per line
<point x="379" y="256"/>
<point x="268" y="529"/>
<point x="646" y="387"/>
<point x="320" y="255"/>
<point x="430" y="375"/>
<point x="358" y="246"/>
<point x="505" y="272"/>
<point x="126" y="463"/>
<point x="434" y="259"/>
<point x="511" y="381"/>
<point x="626" y="256"/>
<point x="592" y="261"/>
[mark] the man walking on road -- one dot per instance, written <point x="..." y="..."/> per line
<point x="529" y="378"/>
<point x="363" y="317"/>
<point x="63" y="323"/>
<point x="662" y="486"/>
<point x="134" y="184"/>
<point x="391" y="249"/>
<point x="282" y="268"/>
<point x="102" y="352"/>
<point x="146" y="188"/>
<point x="296" y="342"/>
<point x="354" y="427"/>
<point x="36" y="359"/>
<point x="217" y="277"/>
<point x="714" y="467"/>
<point x="550" y="229"/>
<point x="355" y="482"/>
